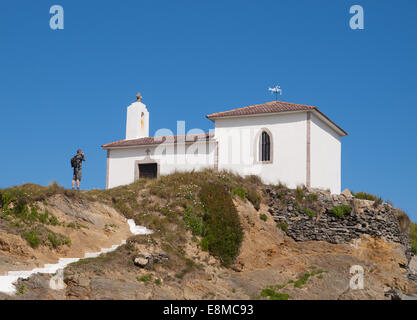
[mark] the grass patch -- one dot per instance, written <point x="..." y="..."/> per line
<point x="249" y="194"/>
<point x="30" y="192"/>
<point x="41" y="235"/>
<point x="239" y="191"/>
<point x="312" y="197"/>
<point x="204" y="244"/>
<point x="341" y="211"/>
<point x="299" y="193"/>
<point x="21" y="290"/>
<point x="413" y="236"/>
<point x="57" y="240"/>
<point x="304" y="278"/>
<point x="310" y="212"/>
<point x="283" y="226"/>
<point x="32" y="237"/>
<point x="145" y="278"/>
<point x="193" y="221"/>
<point x="364" y="196"/>
<point x="263" y="217"/>
<point x="273" y="295"/>
<point x="271" y="291"/>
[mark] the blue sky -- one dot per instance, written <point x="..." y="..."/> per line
<point x="67" y="89"/>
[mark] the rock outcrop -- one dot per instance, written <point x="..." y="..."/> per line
<point x="365" y="217"/>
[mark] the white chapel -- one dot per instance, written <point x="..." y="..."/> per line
<point x="279" y="141"/>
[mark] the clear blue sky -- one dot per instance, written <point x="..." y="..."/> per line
<point x="68" y="89"/>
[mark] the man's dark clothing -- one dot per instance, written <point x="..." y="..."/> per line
<point x="79" y="158"/>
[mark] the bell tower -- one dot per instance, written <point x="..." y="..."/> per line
<point x="137" y="123"/>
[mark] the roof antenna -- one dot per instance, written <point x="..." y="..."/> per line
<point x="276" y="90"/>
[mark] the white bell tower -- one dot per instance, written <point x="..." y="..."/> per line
<point x="137" y="123"/>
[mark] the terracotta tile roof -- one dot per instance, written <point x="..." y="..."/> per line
<point x="268" y="107"/>
<point x="158" y="140"/>
<point x="271" y="107"/>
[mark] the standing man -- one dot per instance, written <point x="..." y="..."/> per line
<point x="76" y="163"/>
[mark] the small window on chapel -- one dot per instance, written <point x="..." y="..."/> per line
<point x="265" y="147"/>
<point x="142" y="119"/>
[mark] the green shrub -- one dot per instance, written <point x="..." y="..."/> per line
<point x="32" y="237"/>
<point x="21" y="290"/>
<point x="53" y="220"/>
<point x="273" y="295"/>
<point x="280" y="185"/>
<point x="378" y="202"/>
<point x="341" y="210"/>
<point x="299" y="193"/>
<point x="300" y="282"/>
<point x="158" y="282"/>
<point x="413" y="236"/>
<point x="193" y="222"/>
<point x="145" y="278"/>
<point x="33" y="216"/>
<point x="283" y="226"/>
<point x="223" y="230"/>
<point x="364" y="196"/>
<point x="303" y="279"/>
<point x="67" y="241"/>
<point x="263" y="217"/>
<point x="58" y="240"/>
<point x="43" y="218"/>
<point x="204" y="244"/>
<point x="312" y="197"/>
<point x="6" y="198"/>
<point x="404" y="221"/>
<point x="310" y="212"/>
<point x="54" y="240"/>
<point x="239" y="192"/>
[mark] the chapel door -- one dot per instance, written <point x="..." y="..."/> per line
<point x="148" y="170"/>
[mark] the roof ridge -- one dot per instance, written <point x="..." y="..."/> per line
<point x="260" y="104"/>
<point x="156" y="138"/>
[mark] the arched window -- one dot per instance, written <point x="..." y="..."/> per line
<point x="265" y="147"/>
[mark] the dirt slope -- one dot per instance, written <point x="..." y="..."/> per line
<point x="173" y="262"/>
<point x="267" y="258"/>
<point x="91" y="226"/>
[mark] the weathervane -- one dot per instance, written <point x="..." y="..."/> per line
<point x="276" y="90"/>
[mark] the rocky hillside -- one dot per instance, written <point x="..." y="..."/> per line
<point x="215" y="236"/>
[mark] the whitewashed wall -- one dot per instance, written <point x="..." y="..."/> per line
<point x="238" y="152"/>
<point x="121" y="162"/>
<point x="136" y="125"/>
<point x="325" y="157"/>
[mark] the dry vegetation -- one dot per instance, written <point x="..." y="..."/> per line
<point x="20" y="214"/>
<point x="183" y="210"/>
<point x="198" y="202"/>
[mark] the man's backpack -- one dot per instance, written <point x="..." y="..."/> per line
<point x="74" y="162"/>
